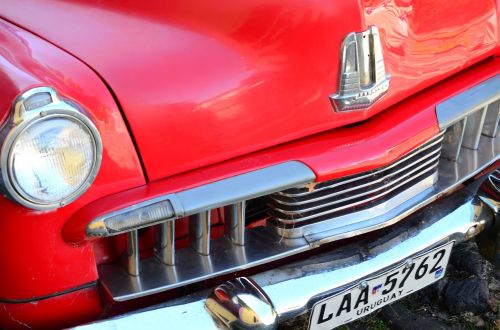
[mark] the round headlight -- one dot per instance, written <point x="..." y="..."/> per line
<point x="51" y="158"/>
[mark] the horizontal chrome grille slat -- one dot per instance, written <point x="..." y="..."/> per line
<point x="414" y="172"/>
<point x="360" y="192"/>
<point x="385" y="189"/>
<point x="434" y="154"/>
<point x="330" y="209"/>
<point x="435" y="142"/>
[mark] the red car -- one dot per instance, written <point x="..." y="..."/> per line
<point x="198" y="164"/>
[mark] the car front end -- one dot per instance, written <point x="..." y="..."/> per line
<point x="251" y="165"/>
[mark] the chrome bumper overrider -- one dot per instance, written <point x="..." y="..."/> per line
<point x="286" y="292"/>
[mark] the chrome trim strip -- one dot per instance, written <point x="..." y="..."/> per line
<point x="457" y="107"/>
<point x="433" y="142"/>
<point x="187" y="315"/>
<point x="213" y="195"/>
<point x="245" y="186"/>
<point x="294" y="288"/>
<point x="393" y="185"/>
<point x="435" y="153"/>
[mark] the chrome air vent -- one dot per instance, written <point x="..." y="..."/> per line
<point x="298" y="211"/>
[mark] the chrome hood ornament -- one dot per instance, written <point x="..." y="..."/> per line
<point x="363" y="79"/>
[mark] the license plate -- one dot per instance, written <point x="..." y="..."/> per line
<point x="376" y="292"/>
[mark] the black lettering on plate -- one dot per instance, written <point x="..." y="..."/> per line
<point x="322" y="318"/>
<point x="441" y="255"/>
<point x="345" y="305"/>
<point x="408" y="271"/>
<point x="363" y="297"/>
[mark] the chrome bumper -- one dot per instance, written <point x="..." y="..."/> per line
<point x="284" y="293"/>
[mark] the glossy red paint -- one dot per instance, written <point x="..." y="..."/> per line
<point x="35" y="259"/>
<point x="424" y="41"/>
<point x="202" y="82"/>
<point x="339" y="152"/>
<point x="52" y="313"/>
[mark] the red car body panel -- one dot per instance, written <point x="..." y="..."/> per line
<point x="60" y="311"/>
<point x="205" y="89"/>
<point x="203" y="82"/>
<point x="37" y="261"/>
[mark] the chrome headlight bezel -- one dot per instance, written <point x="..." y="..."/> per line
<point x="24" y="115"/>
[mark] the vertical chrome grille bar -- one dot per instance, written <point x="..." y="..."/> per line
<point x="473" y="129"/>
<point x="452" y="140"/>
<point x="165" y="244"/>
<point x="492" y="118"/>
<point x="133" y="266"/>
<point x="235" y="222"/>
<point x="199" y="232"/>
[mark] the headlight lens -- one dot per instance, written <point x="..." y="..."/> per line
<point x="51" y="159"/>
<point x="51" y="151"/>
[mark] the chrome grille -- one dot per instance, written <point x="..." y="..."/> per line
<point x="296" y="207"/>
<point x="301" y="219"/>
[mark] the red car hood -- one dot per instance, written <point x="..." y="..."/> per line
<point x="204" y="81"/>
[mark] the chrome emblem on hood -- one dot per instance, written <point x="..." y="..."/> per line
<point x="363" y="79"/>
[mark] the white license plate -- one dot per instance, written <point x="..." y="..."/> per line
<point x="376" y="292"/>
